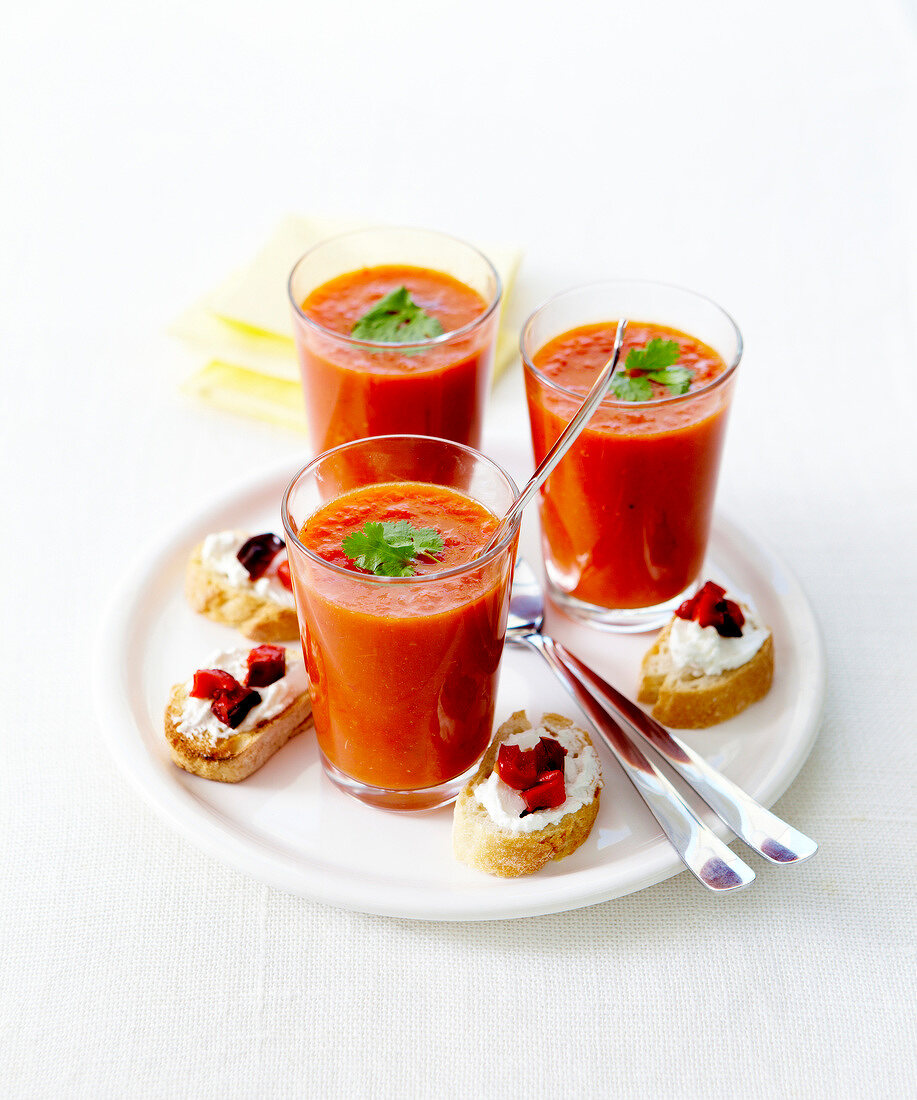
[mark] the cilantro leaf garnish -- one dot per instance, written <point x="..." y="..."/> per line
<point x="678" y="379"/>
<point x="627" y="388"/>
<point x="396" y="319"/>
<point x="657" y="355"/>
<point x="653" y="363"/>
<point x="389" y="549"/>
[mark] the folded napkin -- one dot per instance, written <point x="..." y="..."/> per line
<point x="244" y="331"/>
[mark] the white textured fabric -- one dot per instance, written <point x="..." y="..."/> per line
<point x="764" y="155"/>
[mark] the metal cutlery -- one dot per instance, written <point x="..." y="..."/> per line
<point x="703" y="853"/>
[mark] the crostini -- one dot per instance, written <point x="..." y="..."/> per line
<point x="243" y="581"/>
<point x="714" y="659"/>
<point x="237" y="711"/>
<point x="534" y="799"/>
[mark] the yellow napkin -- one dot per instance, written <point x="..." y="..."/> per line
<point x="244" y="330"/>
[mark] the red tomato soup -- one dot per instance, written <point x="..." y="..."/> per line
<point x="626" y="515"/>
<point x="404" y="672"/>
<point x="352" y="391"/>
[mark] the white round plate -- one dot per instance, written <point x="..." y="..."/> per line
<point x="287" y="825"/>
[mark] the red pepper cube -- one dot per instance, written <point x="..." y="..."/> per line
<point x="257" y="553"/>
<point x="547" y="794"/>
<point x="231" y="707"/>
<point x="700" y="605"/>
<point x="517" y="768"/>
<point x="283" y="575"/>
<point x="709" y="608"/>
<point x="550" y="755"/>
<point x="735" y="612"/>
<point x="706" y="613"/>
<point x="731" y="620"/>
<point x="266" y="665"/>
<point x="210" y="682"/>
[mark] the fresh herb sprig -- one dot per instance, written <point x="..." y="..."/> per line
<point x="389" y="549"/>
<point x="653" y="363"/>
<point x="396" y="319"/>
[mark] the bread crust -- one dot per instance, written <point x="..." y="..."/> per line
<point x="479" y="842"/>
<point x="687" y="701"/>
<point x="261" y="620"/>
<point x="237" y="755"/>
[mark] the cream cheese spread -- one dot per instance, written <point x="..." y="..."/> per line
<point x="702" y="650"/>
<point x="582" y="776"/>
<point x="219" y="555"/>
<point x="198" y="719"/>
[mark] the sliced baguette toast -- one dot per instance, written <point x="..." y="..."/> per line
<point x="685" y="700"/>
<point x="241" y="752"/>
<point x="258" y="618"/>
<point x="478" y="841"/>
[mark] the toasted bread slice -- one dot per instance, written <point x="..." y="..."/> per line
<point x="240" y="606"/>
<point x="478" y="841"/>
<point x="685" y="700"/>
<point x="240" y="752"/>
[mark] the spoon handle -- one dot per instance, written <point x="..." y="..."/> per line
<point x="759" y="828"/>
<point x="564" y="441"/>
<point x="700" y="849"/>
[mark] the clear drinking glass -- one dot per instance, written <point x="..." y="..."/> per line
<point x="355" y="388"/>
<point x="404" y="670"/>
<point x="626" y="516"/>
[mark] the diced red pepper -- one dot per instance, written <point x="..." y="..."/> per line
<point x="210" y="682"/>
<point x="731" y="620"/>
<point x="706" y="613"/>
<point x="547" y="794"/>
<point x="266" y="665"/>
<point x="231" y="707"/>
<point x="708" y="592"/>
<point x="708" y="607"/>
<point x="550" y="755"/>
<point x="534" y="770"/>
<point x="735" y="612"/>
<point x="518" y="768"/>
<point x="283" y="575"/>
<point x="257" y="553"/>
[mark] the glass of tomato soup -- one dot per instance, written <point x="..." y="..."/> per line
<point x="402" y="617"/>
<point x="625" y="517"/>
<point x="395" y="331"/>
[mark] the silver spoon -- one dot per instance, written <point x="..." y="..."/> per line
<point x="761" y="830"/>
<point x="700" y="849"/>
<point x="564" y="441"/>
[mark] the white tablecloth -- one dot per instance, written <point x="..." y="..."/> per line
<point x="762" y="154"/>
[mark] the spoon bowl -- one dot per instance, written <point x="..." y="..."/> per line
<point x="526" y="603"/>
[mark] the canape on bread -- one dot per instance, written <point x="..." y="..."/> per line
<point x="545" y="811"/>
<point x="237" y="711"/>
<point x="244" y="581"/>
<point x="714" y="659"/>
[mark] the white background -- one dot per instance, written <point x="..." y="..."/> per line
<point x="762" y="154"/>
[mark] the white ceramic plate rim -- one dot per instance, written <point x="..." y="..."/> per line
<point x="121" y="717"/>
